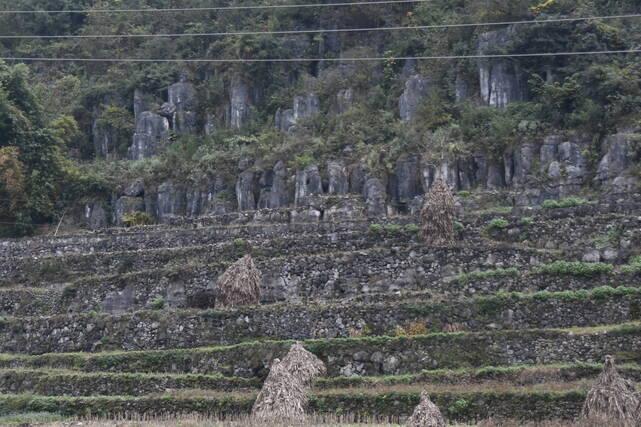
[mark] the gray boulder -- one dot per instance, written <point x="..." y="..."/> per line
<point x="416" y="89"/>
<point x="152" y="134"/>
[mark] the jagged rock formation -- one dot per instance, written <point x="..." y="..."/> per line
<point x="416" y="89"/>
<point x="621" y="151"/>
<point x="308" y="183"/>
<point x="304" y="106"/>
<point x="152" y="134"/>
<point x="239" y="103"/>
<point x="182" y="96"/>
<point x="501" y="80"/>
<point x="337" y="177"/>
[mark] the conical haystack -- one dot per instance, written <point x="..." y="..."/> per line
<point x="437" y="215"/>
<point x="239" y="285"/>
<point x="426" y="414"/>
<point x="611" y="397"/>
<point x="284" y="395"/>
<point x="303" y="365"/>
<point x="282" y="398"/>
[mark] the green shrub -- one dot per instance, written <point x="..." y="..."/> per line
<point x="376" y="229"/>
<point x="458" y="407"/>
<point x="458" y="226"/>
<point x="567" y="202"/>
<point x="526" y="220"/>
<point x="633" y="266"/>
<point x="498" y="224"/>
<point x="158" y="303"/>
<point x="576" y="268"/>
<point x="464" y="194"/>
<point x="412" y="228"/>
<point x="393" y="228"/>
<point x="136" y="218"/>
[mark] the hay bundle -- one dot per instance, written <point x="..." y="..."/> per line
<point x="426" y="414"/>
<point x="437" y="215"/>
<point x="303" y="365"/>
<point x="283" y="398"/>
<point x="239" y="285"/>
<point x="611" y="397"/>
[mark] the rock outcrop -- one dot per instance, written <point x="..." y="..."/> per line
<point x="621" y="150"/>
<point x="182" y="96"/>
<point x="127" y="205"/>
<point x="416" y="89"/>
<point x="375" y="198"/>
<point x="275" y="192"/>
<point x="172" y="201"/>
<point x="303" y="106"/>
<point x="239" y="104"/>
<point x="152" y="134"/>
<point x="501" y="80"/>
<point x="308" y="183"/>
<point x="338" y="181"/>
<point x="246" y="187"/>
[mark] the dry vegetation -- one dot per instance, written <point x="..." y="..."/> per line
<point x="426" y="414"/>
<point x="437" y="215"/>
<point x="284" y="395"/>
<point x="611" y="397"/>
<point x="239" y="285"/>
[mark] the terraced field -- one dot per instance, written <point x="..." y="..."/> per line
<point x="512" y="321"/>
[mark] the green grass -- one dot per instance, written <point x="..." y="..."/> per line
<point x="497" y="224"/>
<point x="465" y="278"/>
<point x="633" y="266"/>
<point x="575" y="268"/>
<point x="567" y="202"/>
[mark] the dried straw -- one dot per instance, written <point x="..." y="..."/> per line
<point x="284" y="395"/>
<point x="239" y="285"/>
<point x="426" y="414"/>
<point x="303" y="365"/>
<point x="611" y="397"/>
<point x="437" y="215"/>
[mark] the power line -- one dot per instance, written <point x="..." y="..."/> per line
<point x="214" y="8"/>
<point x="350" y="59"/>
<point x="314" y="31"/>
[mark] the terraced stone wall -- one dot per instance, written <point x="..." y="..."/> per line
<point x="185" y="329"/>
